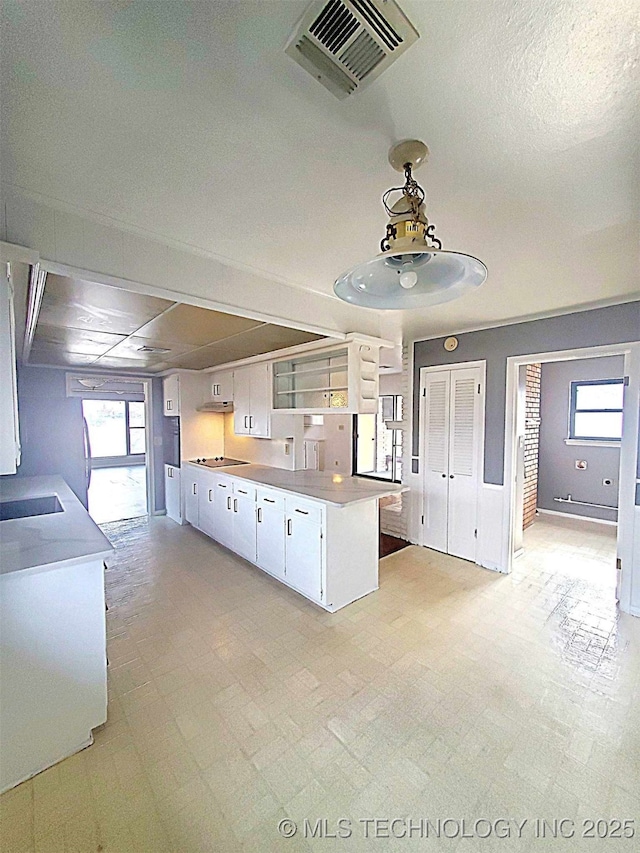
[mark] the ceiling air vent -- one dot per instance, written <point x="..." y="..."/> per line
<point x="346" y="44"/>
<point x="150" y="349"/>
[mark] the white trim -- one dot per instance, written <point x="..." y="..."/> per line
<point x="182" y="298"/>
<point x="583" y="442"/>
<point x="628" y="453"/>
<point x="579" y="517"/>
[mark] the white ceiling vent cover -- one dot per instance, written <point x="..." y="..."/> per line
<point x="346" y="44"/>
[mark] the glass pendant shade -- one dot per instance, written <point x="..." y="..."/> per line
<point x="413" y="278"/>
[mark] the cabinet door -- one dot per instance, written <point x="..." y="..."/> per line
<point x="171" y="394"/>
<point x="222" y="386"/>
<point x="206" y="492"/>
<point x="191" y="496"/>
<point x="303" y="555"/>
<point x="172" y="492"/>
<point x="260" y="414"/>
<point x="242" y="401"/>
<point x="436" y="459"/>
<point x="223" y="512"/>
<point x="270" y="533"/>
<point x="244" y="527"/>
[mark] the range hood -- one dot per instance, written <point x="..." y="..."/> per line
<point x="215" y="406"/>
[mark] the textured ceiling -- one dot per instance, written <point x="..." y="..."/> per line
<point x="187" y="120"/>
<point x="83" y="323"/>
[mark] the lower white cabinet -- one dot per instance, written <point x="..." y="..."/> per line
<point x="223" y="511"/>
<point x="172" y="492"/>
<point x="270" y="532"/>
<point x="303" y="555"/>
<point x="309" y="545"/>
<point x="244" y="523"/>
<point x="191" y="484"/>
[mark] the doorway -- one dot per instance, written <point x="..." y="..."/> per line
<point x="568" y="435"/>
<point x="116" y="457"/>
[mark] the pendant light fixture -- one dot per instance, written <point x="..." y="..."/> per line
<point x="412" y="271"/>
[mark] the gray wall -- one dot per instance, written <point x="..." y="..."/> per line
<point x="598" y="327"/>
<point x="557" y="474"/>
<point x="51" y="428"/>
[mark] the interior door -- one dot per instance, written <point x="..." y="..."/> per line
<point x="465" y="411"/>
<point x="303" y="555"/>
<point x="436" y="459"/>
<point x="242" y="401"/>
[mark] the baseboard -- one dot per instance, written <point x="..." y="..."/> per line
<point x="578" y="517"/>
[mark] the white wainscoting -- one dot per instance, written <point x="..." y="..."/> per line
<point x="491" y="535"/>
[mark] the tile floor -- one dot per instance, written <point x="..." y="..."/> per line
<point x="118" y="493"/>
<point x="452" y="692"/>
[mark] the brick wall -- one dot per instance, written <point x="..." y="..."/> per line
<point x="531" y="444"/>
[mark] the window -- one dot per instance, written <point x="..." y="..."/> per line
<point x="116" y="427"/>
<point x="596" y="410"/>
<point x="377" y="448"/>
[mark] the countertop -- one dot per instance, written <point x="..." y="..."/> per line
<point x="47" y="541"/>
<point x="334" y="489"/>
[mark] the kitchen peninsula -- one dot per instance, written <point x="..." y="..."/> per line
<point x="314" y="531"/>
<point x="52" y="612"/>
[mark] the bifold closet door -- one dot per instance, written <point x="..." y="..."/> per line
<point x="452" y="432"/>
<point x="436" y="459"/>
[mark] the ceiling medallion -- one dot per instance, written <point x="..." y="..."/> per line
<point x="412" y="270"/>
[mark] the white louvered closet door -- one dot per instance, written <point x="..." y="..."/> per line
<point x="464" y="434"/>
<point x="453" y="413"/>
<point x="436" y="459"/>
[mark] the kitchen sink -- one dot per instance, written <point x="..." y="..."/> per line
<point x="30" y="507"/>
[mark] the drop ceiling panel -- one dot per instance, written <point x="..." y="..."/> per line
<point x="76" y="340"/>
<point x="265" y="339"/>
<point x="132" y="348"/>
<point x="187" y="324"/>
<point x="54" y="355"/>
<point x="82" y="304"/>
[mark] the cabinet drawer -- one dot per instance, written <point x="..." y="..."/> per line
<point x="247" y="490"/>
<point x="305" y="509"/>
<point x="271" y="499"/>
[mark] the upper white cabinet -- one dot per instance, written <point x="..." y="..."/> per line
<point x="251" y="400"/>
<point x="9" y="433"/>
<point x="222" y="386"/>
<point x="343" y="379"/>
<point x="171" y="394"/>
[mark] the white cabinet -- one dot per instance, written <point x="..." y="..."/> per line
<point x="270" y="532"/>
<point x="172" y="492"/>
<point x="342" y="379"/>
<point x="327" y="553"/>
<point x="303" y="547"/>
<point x="206" y="496"/>
<point x="191" y="491"/>
<point x="9" y="434"/>
<point x="171" y="394"/>
<point x="222" y="386"/>
<point x="252" y="400"/>
<point x="223" y="511"/>
<point x="452" y="455"/>
<point x="244" y="521"/>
